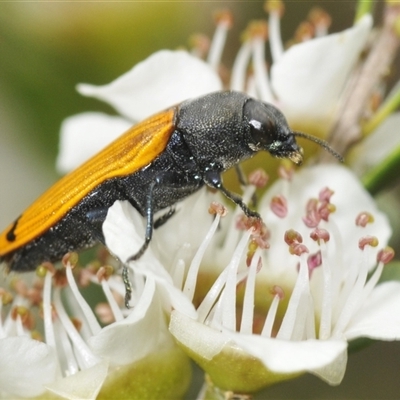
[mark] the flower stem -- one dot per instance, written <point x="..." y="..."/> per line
<point x="363" y="7"/>
<point x="383" y="174"/>
<point x="390" y="105"/>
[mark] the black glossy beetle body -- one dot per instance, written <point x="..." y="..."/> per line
<point x="154" y="165"/>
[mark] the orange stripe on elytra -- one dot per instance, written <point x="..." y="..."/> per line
<point x="135" y="149"/>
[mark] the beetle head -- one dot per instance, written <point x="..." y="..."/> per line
<point x="269" y="131"/>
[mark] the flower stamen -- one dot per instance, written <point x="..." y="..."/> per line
<point x="199" y="44"/>
<point x="90" y="317"/>
<point x="224" y="20"/>
<point x="190" y="284"/>
<point x="294" y="322"/>
<point x="246" y="326"/>
<point x="368" y="241"/>
<point x="279" y="295"/>
<point x="321" y="21"/>
<point x="103" y="274"/>
<point x="275" y="9"/>
<point x="87" y="359"/>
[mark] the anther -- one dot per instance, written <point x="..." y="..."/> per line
<point x="313" y="217"/>
<point x="259" y="178"/>
<point x="385" y="255"/>
<point x="25" y="315"/>
<point x="298" y="249"/>
<point x="224" y="17"/>
<point x="274" y="6"/>
<point x="325" y="194"/>
<point x="42" y="269"/>
<point x="319" y="234"/>
<point x="258" y="29"/>
<point x="279" y="206"/>
<point x="244" y="223"/>
<point x="292" y="236"/>
<point x="364" y="218"/>
<point x="255" y="29"/>
<point x="368" y="241"/>
<point x="104" y="272"/>
<point x="320" y="19"/>
<point x="71" y="258"/>
<point x="305" y="31"/>
<point x="217" y="208"/>
<point x="325" y="210"/>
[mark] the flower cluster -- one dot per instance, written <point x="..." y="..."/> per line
<point x="253" y="302"/>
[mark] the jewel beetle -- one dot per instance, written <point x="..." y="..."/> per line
<point x="153" y="165"/>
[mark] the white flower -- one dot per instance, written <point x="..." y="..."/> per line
<point x="310" y="77"/>
<point x="79" y="358"/>
<point x="331" y="299"/>
<point x="26" y="366"/>
<point x="325" y="293"/>
<point x="321" y="297"/>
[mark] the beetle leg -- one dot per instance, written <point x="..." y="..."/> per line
<point x="164" y="179"/>
<point x="149" y="224"/>
<point x="214" y="180"/>
<point x="164" y="218"/>
<point x="148" y="236"/>
<point x="243" y="182"/>
<point x="240" y="174"/>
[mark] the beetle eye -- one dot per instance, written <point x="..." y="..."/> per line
<point x="261" y="123"/>
<point x="261" y="132"/>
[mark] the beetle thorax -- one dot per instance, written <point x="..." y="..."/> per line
<point x="215" y="134"/>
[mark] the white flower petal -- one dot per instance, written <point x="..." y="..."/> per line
<point x="310" y="76"/>
<point x="189" y="225"/>
<point x="84" y="135"/>
<point x="196" y="336"/>
<point x="379" y="318"/>
<point x="162" y="80"/>
<point x="143" y="332"/>
<point x="377" y="146"/>
<point x="124" y="233"/>
<point x="284" y="356"/>
<point x="84" y="385"/>
<point x="124" y="230"/>
<point x="327" y="359"/>
<point x="26" y="365"/>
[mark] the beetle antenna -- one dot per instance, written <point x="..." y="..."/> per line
<point x="321" y="143"/>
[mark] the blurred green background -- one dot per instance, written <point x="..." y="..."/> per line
<point x="47" y="48"/>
